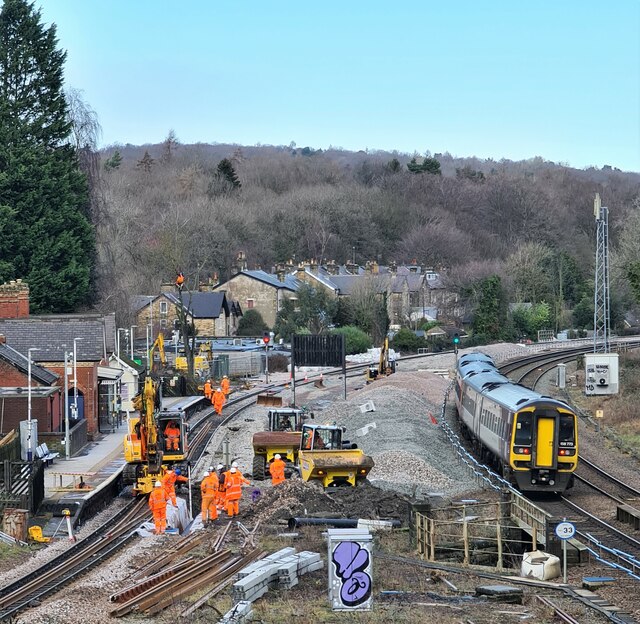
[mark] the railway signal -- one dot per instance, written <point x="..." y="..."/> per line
<point x="456" y="342"/>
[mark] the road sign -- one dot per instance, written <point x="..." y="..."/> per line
<point x="565" y="530"/>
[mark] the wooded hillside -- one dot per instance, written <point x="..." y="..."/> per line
<point x="171" y="207"/>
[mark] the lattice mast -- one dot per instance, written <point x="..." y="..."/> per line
<point x="601" y="312"/>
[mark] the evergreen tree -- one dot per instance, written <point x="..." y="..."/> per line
<point x="226" y="170"/>
<point x="490" y="316"/>
<point x="45" y="234"/>
<point x="428" y="165"/>
<point x="146" y="162"/>
<point x="114" y="162"/>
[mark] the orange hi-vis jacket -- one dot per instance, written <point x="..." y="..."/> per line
<point x="209" y="485"/>
<point x="158" y="500"/>
<point x="277" y="471"/>
<point x="218" y="401"/>
<point x="233" y="485"/>
<point x="225" y="386"/>
<point x="208" y="390"/>
<point x="172" y="433"/>
<point x="169" y="481"/>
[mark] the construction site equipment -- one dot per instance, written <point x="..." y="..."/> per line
<point x="150" y="441"/>
<point x="35" y="533"/>
<point x="201" y="361"/>
<point x="282" y="437"/>
<point x="385" y="366"/>
<point x="325" y="456"/>
<point x="269" y="399"/>
<point x="157" y="348"/>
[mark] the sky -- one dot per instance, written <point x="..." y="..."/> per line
<point x="494" y="79"/>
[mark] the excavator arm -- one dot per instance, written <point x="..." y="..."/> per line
<point x="158" y="345"/>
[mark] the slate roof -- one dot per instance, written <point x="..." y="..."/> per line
<point x="19" y="361"/>
<point x="202" y="304"/>
<point x="51" y="333"/>
<point x="140" y="301"/>
<point x="291" y="282"/>
<point x="347" y="284"/>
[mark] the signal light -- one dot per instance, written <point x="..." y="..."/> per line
<point x="266" y="337"/>
<point x="456" y="339"/>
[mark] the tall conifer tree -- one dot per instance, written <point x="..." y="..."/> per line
<point x="46" y="237"/>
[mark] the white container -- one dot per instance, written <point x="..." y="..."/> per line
<point x="540" y="565"/>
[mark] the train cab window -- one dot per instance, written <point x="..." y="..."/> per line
<point x="523" y="429"/>
<point x="566" y="434"/>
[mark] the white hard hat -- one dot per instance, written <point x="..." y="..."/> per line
<point x="234" y="470"/>
<point x="277" y="456"/>
<point x="219" y="389"/>
<point x="219" y="467"/>
<point x="234" y="464"/>
<point x="158" y="484"/>
<point x="224" y="377"/>
<point x="210" y="468"/>
<point x="206" y="474"/>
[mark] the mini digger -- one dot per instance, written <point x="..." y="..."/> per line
<point x="384" y="367"/>
<point x="155" y="439"/>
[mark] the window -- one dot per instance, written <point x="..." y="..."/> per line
<point x="163" y="323"/>
<point x="163" y="308"/>
<point x="524" y="429"/>
<point x="566" y="434"/>
<point x="251" y="304"/>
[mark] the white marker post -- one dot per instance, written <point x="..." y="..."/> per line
<point x="565" y="531"/>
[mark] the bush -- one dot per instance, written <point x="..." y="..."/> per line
<point x="278" y="363"/>
<point x="406" y="340"/>
<point x="251" y="324"/>
<point x="356" y="341"/>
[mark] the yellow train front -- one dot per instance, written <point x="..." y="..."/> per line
<point x="532" y="439"/>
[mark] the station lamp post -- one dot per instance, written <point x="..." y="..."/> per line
<point x="132" y="335"/>
<point x="75" y="377"/>
<point x="29" y="445"/>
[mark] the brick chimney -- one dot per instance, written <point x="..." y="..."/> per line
<point x="393" y="267"/>
<point x="280" y="272"/>
<point x="332" y="267"/>
<point x="14" y="299"/>
<point x="241" y="262"/>
<point x="300" y="271"/>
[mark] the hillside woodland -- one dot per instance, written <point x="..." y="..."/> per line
<point x="169" y="207"/>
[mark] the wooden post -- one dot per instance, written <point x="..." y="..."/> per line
<point x="465" y="536"/>
<point x="432" y="542"/>
<point x="534" y="538"/>
<point x="499" y="538"/>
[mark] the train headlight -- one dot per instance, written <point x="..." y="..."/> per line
<point x="552" y="482"/>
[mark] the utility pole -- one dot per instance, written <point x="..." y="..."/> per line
<point x="67" y="437"/>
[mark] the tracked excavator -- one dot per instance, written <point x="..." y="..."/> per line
<point x="155" y="439"/>
<point x="385" y="366"/>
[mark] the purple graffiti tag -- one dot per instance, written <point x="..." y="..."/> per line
<point x="350" y="560"/>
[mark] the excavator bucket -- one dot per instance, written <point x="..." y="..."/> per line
<point x="269" y="399"/>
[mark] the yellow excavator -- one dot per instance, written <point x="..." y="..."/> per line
<point x="155" y="439"/>
<point x="157" y="348"/>
<point x="201" y="361"/>
<point x="385" y="366"/>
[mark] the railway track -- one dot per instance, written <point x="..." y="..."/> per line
<point x="595" y="477"/>
<point x="74" y="562"/>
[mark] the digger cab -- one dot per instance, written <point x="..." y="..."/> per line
<point x="286" y="419"/>
<point x="173" y="429"/>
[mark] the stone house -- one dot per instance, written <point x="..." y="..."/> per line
<point x="260" y="291"/>
<point x="212" y="313"/>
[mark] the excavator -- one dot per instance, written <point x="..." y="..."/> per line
<point x="201" y="361"/>
<point x="155" y="439"/>
<point x="326" y="457"/>
<point x="385" y="366"/>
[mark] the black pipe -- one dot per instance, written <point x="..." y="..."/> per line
<point x="343" y="523"/>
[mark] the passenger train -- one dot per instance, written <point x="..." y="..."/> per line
<point x="531" y="438"/>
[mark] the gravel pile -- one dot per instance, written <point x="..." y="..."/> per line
<point x="405" y="438"/>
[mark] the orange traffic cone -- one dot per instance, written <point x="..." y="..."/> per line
<point x="306" y="377"/>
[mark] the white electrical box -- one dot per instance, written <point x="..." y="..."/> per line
<point x="601" y="373"/>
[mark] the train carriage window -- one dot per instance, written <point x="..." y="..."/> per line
<point x="566" y="435"/>
<point x="524" y="429"/>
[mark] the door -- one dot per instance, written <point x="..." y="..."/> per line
<point x="545" y="434"/>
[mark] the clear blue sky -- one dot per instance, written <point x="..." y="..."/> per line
<point x="500" y="78"/>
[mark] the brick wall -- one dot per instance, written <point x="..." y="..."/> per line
<point x="14" y="299"/>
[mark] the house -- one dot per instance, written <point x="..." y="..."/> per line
<point x="90" y="336"/>
<point x="212" y="313"/>
<point x="260" y="291"/>
<point x="47" y="399"/>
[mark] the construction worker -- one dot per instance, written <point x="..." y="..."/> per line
<point x="225" y="386"/>
<point x="172" y="436"/>
<point x="180" y="280"/>
<point x="169" y="480"/>
<point x="233" y="491"/>
<point x="277" y="470"/>
<point x="220" y="500"/>
<point x="218" y="401"/>
<point x="209" y="490"/>
<point x="158" y="506"/>
<point x="208" y="389"/>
